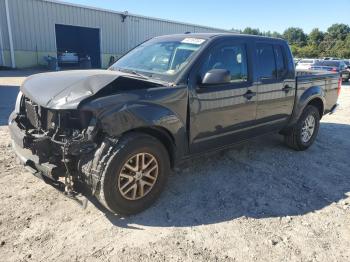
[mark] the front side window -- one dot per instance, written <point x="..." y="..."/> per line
<point x="160" y="58"/>
<point x="230" y="57"/>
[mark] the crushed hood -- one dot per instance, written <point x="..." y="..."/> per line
<point x="66" y="89"/>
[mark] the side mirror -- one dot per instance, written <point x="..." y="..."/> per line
<point x="216" y="76"/>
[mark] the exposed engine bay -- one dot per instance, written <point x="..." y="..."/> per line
<point x="58" y="138"/>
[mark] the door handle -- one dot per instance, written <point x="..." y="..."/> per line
<point x="249" y="95"/>
<point x="287" y="88"/>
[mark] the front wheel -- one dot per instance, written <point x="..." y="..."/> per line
<point x="135" y="174"/>
<point x="303" y="134"/>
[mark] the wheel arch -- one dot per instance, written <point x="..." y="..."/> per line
<point x="163" y="135"/>
<point x="312" y="96"/>
<point x="318" y="103"/>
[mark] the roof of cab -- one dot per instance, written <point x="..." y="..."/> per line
<point x="224" y="35"/>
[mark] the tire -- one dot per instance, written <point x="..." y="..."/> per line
<point x="129" y="149"/>
<point x="294" y="137"/>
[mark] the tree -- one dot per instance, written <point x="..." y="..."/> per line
<point x="335" y="42"/>
<point x="308" y="51"/>
<point x="272" y="34"/>
<point x="236" y="30"/>
<point x="276" y="34"/>
<point x="315" y="37"/>
<point x="251" y="31"/>
<point x="295" y="36"/>
<point x="339" y="31"/>
<point x="342" y="48"/>
<point x="327" y="45"/>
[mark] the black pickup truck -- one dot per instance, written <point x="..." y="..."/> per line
<point x="119" y="132"/>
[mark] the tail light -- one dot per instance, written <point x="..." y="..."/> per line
<point x="339" y="85"/>
<point x="334" y="69"/>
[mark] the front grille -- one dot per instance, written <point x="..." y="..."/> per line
<point x="46" y="119"/>
<point x="32" y="112"/>
<point x="39" y="117"/>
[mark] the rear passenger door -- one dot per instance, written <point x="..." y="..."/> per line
<point x="276" y="84"/>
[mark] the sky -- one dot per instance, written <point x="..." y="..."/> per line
<point x="267" y="15"/>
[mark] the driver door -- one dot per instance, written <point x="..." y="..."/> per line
<point x="222" y="113"/>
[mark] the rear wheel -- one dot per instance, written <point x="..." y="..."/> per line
<point x="303" y="134"/>
<point x="135" y="174"/>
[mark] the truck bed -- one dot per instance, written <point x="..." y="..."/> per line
<point x="327" y="81"/>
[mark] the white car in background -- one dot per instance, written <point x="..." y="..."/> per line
<point x="305" y="64"/>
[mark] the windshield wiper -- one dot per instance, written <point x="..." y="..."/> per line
<point x="139" y="74"/>
<point x="133" y="72"/>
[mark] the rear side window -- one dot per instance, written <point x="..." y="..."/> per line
<point x="266" y="61"/>
<point x="271" y="61"/>
<point x="280" y="62"/>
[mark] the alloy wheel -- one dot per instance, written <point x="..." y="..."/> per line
<point x="138" y="176"/>
<point x="308" y="128"/>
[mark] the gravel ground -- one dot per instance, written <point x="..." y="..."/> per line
<point x="258" y="202"/>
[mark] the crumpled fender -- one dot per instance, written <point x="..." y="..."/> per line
<point x="163" y="107"/>
<point x="140" y="115"/>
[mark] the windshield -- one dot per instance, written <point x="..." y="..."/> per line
<point x="328" y="63"/>
<point x="161" y="59"/>
<point x="306" y="61"/>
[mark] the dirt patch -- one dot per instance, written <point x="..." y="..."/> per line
<point x="258" y="202"/>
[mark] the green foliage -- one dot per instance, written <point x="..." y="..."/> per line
<point x="315" y="37"/>
<point x="295" y="36"/>
<point x="335" y="42"/>
<point x="305" y="51"/>
<point x="339" y="31"/>
<point x="251" y="31"/>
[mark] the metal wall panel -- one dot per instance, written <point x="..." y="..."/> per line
<point x="33" y="25"/>
<point x="3" y="25"/>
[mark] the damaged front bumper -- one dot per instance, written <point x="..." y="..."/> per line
<point x="82" y="161"/>
<point x="25" y="155"/>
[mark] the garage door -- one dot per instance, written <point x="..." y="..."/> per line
<point x="78" y="42"/>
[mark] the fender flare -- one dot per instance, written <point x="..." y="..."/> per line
<point x="314" y="92"/>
